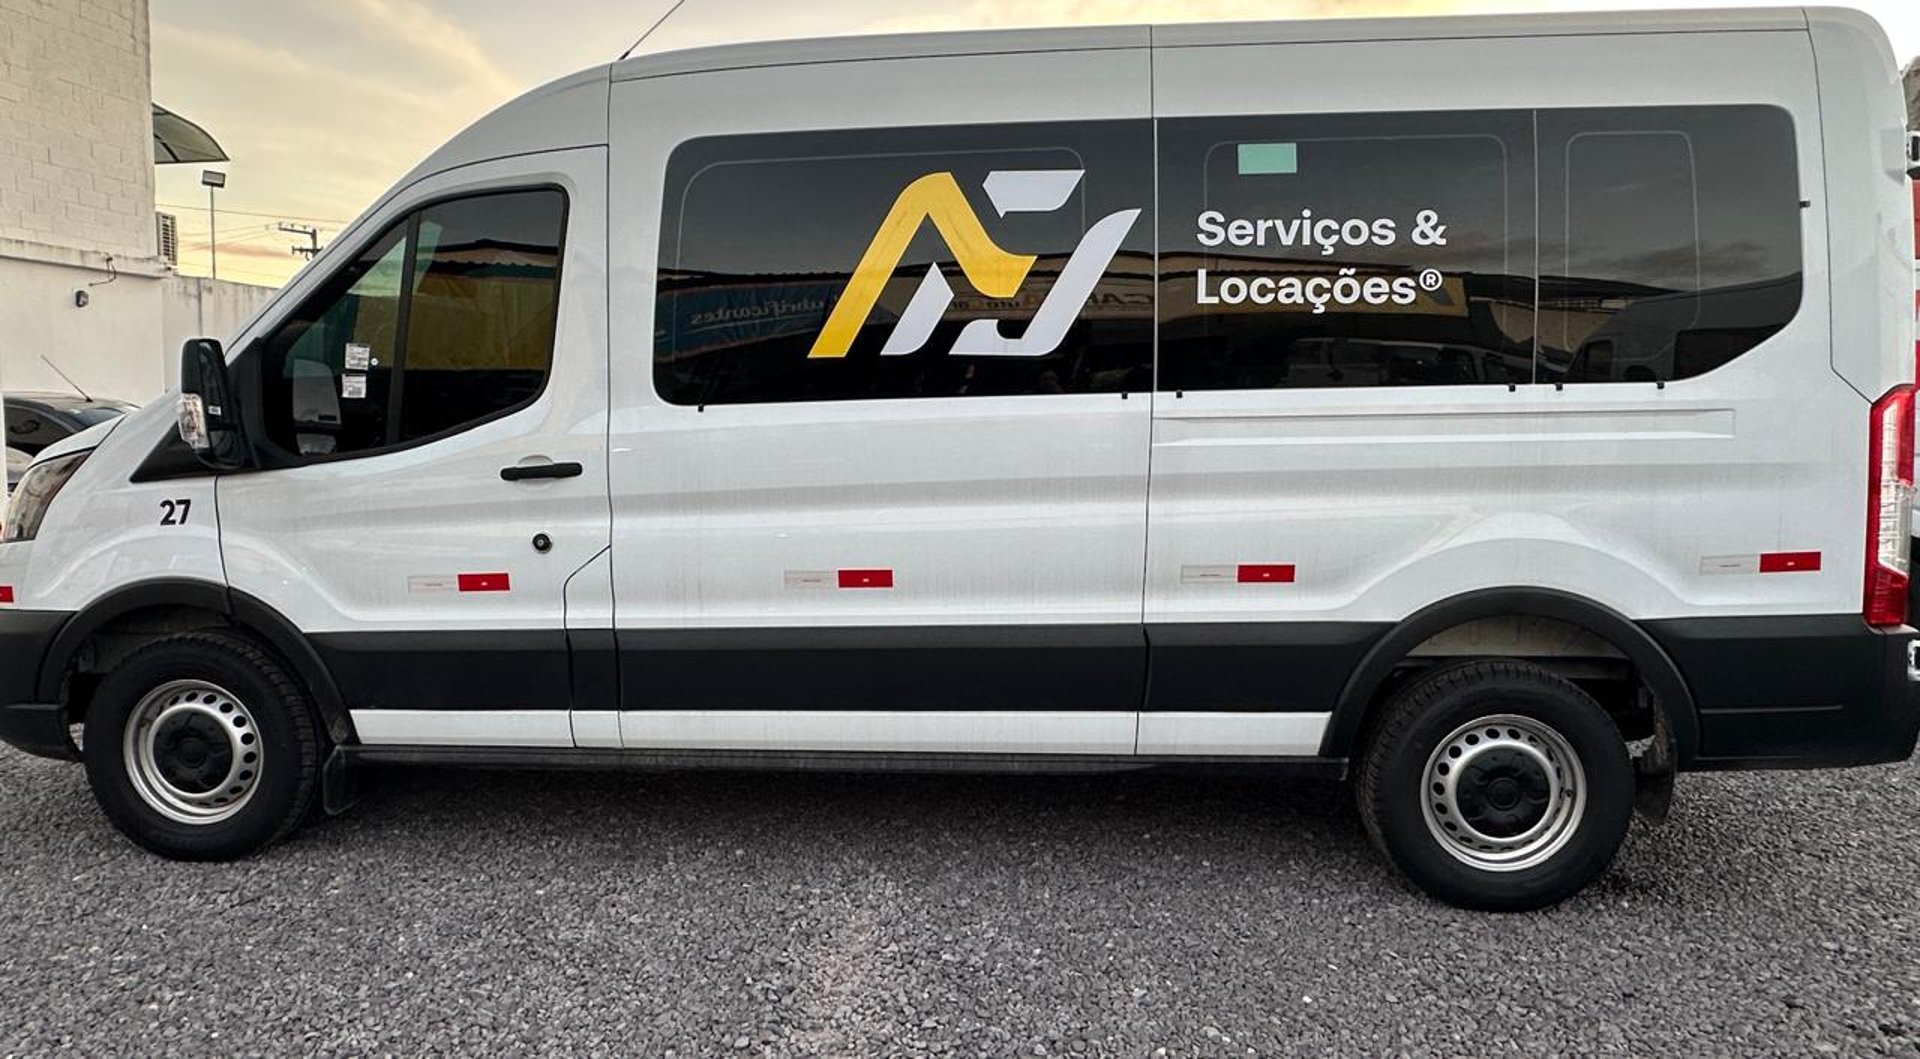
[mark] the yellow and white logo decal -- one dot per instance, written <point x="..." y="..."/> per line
<point x="995" y="272"/>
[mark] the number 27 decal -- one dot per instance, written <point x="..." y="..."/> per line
<point x="174" y="512"/>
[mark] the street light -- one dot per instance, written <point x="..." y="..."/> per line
<point x="213" y="179"/>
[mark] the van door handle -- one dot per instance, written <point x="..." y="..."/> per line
<point x="521" y="472"/>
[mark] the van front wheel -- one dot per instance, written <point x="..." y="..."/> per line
<point x="202" y="747"/>
<point x="1496" y="785"/>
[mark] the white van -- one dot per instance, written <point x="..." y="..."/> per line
<point x="1505" y="413"/>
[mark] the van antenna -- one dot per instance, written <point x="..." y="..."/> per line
<point x="656" y="25"/>
<point x="84" y="395"/>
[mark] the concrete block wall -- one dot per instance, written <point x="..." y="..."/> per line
<point x="76" y="126"/>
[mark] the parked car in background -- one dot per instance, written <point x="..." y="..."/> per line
<point x="36" y="420"/>
<point x="17" y="462"/>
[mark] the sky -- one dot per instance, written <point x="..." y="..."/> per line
<point x="323" y="104"/>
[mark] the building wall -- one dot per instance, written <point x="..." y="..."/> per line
<point x="76" y="209"/>
<point x="109" y="346"/>
<point x="76" y="125"/>
<point x="196" y="307"/>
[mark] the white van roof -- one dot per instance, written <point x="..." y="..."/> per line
<point x="572" y="111"/>
<point x="974" y="41"/>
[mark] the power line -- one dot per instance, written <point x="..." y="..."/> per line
<point x="246" y="213"/>
<point x="230" y="240"/>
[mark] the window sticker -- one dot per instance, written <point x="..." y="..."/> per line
<point x="359" y="356"/>
<point x="353" y="386"/>
<point x="1269" y="159"/>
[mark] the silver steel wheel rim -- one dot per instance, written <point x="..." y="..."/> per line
<point x="1458" y="808"/>
<point x="193" y="752"/>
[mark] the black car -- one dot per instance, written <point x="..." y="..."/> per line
<point x="36" y="420"/>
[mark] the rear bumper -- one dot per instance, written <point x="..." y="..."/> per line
<point x="25" y="722"/>
<point x="1795" y="692"/>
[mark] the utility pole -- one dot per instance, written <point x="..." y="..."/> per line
<point x="313" y="239"/>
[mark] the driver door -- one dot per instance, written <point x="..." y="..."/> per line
<point x="433" y="414"/>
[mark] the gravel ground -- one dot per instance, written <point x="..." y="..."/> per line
<point x="696" y="914"/>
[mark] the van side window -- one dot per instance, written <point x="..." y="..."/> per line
<point x="898" y="263"/>
<point x="1400" y="249"/>
<point x="304" y="360"/>
<point x="1670" y="239"/>
<point x="486" y="295"/>
<point x="1346" y="250"/>
<point x="445" y="320"/>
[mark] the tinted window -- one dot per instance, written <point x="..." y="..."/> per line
<point x="485" y="298"/>
<point x="445" y="320"/>
<point x="1346" y="250"/>
<point x="878" y="264"/>
<point x="327" y="370"/>
<point x="1670" y="239"/>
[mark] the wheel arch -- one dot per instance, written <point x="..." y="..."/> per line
<point x="1360" y="696"/>
<point x="238" y="610"/>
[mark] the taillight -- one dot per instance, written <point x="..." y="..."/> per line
<point x="1889" y="507"/>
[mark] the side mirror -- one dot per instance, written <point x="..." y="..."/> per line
<point x="209" y="422"/>
<point x="1913" y="155"/>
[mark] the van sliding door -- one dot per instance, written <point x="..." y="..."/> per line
<point x="1424" y="335"/>
<point x="879" y="480"/>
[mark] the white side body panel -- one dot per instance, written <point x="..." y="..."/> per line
<point x="103" y="533"/>
<point x="373" y="543"/>
<point x="987" y="510"/>
<point x="1389" y="499"/>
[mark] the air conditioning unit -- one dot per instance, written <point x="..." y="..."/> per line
<point x="167" y="226"/>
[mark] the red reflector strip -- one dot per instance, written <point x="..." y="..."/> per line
<point x="866" y="579"/>
<point x="485" y="583"/>
<point x="1789" y="562"/>
<point x="6" y="593"/>
<point x="1255" y="573"/>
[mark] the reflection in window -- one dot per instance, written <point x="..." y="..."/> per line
<point x="310" y="409"/>
<point x="444" y="320"/>
<point x="1670" y="239"/>
<point x="1668" y="244"/>
<point x="761" y="234"/>
<point x="1346" y="250"/>
<point x="485" y="298"/>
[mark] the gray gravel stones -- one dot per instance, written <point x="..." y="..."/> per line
<point x="757" y="914"/>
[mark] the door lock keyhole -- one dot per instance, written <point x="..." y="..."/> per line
<point x="542" y="543"/>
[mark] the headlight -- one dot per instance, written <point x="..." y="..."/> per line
<point x="36" y="491"/>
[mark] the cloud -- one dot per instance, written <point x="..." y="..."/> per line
<point x="428" y="35"/>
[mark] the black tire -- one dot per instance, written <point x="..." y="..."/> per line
<point x="285" y="740"/>
<point x="1413" y="726"/>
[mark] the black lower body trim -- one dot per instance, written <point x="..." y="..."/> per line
<point x="1255" y="666"/>
<point x="26" y="720"/>
<point x="973" y="667"/>
<point x="492" y="670"/>
<point x="39" y="729"/>
<point x="1795" y="692"/>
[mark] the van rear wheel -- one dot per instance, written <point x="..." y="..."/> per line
<point x="1496" y="785"/>
<point x="202" y="746"/>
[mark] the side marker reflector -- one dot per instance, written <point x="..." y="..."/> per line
<point x="866" y="579"/>
<point x="6" y="593"/>
<point x="1259" y="573"/>
<point x="1789" y="562"/>
<point x="485" y="583"/>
